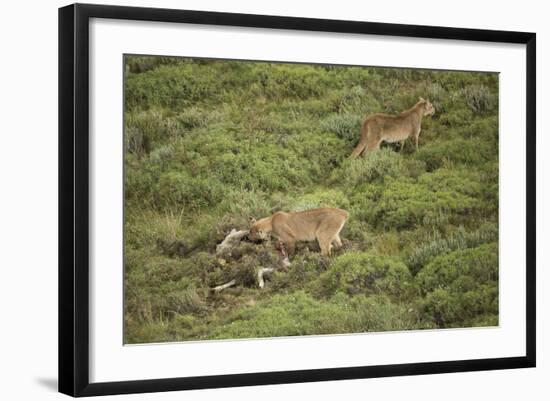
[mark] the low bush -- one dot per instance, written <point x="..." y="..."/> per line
<point x="436" y="245"/>
<point x="145" y="129"/>
<point x="373" y="167"/>
<point x="138" y="64"/>
<point x="479" y="98"/>
<point x="322" y="198"/>
<point x="482" y="128"/>
<point x="284" y="315"/>
<point x="461" y="285"/>
<point x="240" y="206"/>
<point x="298" y="313"/>
<point x="284" y="125"/>
<point x="404" y="204"/>
<point x="306" y="268"/>
<point x="268" y="168"/>
<point x="292" y="81"/>
<point x="346" y="126"/>
<point x="473" y="152"/>
<point x="322" y="151"/>
<point x="180" y="188"/>
<point x="378" y="313"/>
<point x="456" y="116"/>
<point x="173" y="86"/>
<point x="355" y="101"/>
<point x="363" y="273"/>
<point x="194" y="117"/>
<point x="159" y="289"/>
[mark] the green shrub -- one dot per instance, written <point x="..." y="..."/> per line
<point x="455" y="116"/>
<point x="353" y="76"/>
<point x="305" y="269"/>
<point x="194" y="117"/>
<point x="173" y="86"/>
<point x="284" y="315"/>
<point x="438" y="96"/>
<point x="182" y="189"/>
<point x="402" y="204"/>
<point x="461" y="180"/>
<point x="378" y="313"/>
<point x="312" y="107"/>
<point x="413" y="167"/>
<point x="137" y="332"/>
<point x="162" y="156"/>
<point x="359" y="232"/>
<point x="138" y="64"/>
<point x="239" y="206"/>
<point x="373" y="167"/>
<point x="268" y="168"/>
<point x="481" y="128"/>
<point x="355" y="101"/>
<point x="346" y="126"/>
<point x="461" y="285"/>
<point x="145" y="129"/>
<point x="455" y="240"/>
<point x="243" y="272"/>
<point x="387" y="243"/>
<point x="479" y="98"/>
<point x="297" y="314"/>
<point x="283" y="124"/>
<point x="480" y="263"/>
<point x="367" y="274"/>
<point x="293" y="81"/>
<point x="143" y="228"/>
<point x="472" y="152"/>
<point x="323" y="152"/>
<point x="159" y="288"/>
<point x="324" y="198"/>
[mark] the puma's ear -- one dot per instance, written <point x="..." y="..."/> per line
<point x="421" y="99"/>
<point x="252" y="220"/>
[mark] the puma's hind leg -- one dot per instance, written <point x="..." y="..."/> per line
<point x="359" y="148"/>
<point x="373" y="144"/>
<point x="363" y="140"/>
<point x="325" y="244"/>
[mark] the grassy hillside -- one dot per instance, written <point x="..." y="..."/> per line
<point x="210" y="144"/>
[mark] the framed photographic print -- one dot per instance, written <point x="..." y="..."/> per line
<point x="250" y="199"/>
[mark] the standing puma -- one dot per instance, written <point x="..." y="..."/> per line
<point x="323" y="225"/>
<point x="392" y="128"/>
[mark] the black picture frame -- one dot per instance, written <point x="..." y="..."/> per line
<point x="74" y="198"/>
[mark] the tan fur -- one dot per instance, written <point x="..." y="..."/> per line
<point x="392" y="128"/>
<point x="323" y="225"/>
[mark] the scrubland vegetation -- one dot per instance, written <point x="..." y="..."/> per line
<point x="210" y="144"/>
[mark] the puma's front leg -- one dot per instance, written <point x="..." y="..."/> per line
<point x="416" y="135"/>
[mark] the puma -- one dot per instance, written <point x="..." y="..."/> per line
<point x="323" y="225"/>
<point x="392" y="128"/>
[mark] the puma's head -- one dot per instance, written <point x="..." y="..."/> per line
<point x="259" y="230"/>
<point x="429" y="109"/>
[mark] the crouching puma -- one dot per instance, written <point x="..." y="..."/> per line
<point x="323" y="225"/>
<point x="392" y="128"/>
